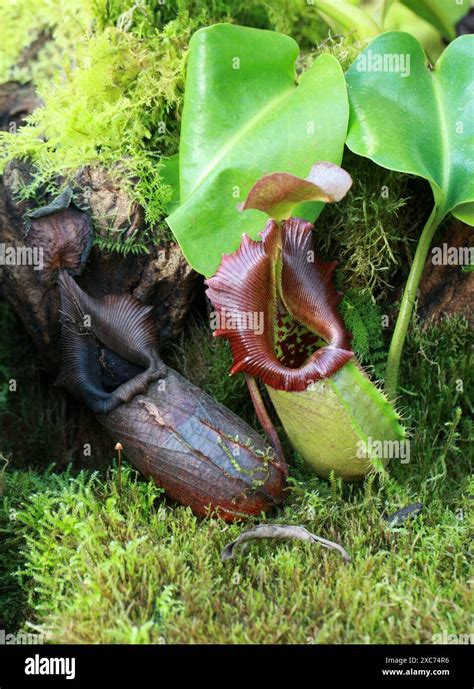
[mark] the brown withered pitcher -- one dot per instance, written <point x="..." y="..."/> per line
<point x="200" y="452"/>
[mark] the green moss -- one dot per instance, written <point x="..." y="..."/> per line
<point x="112" y="84"/>
<point x="15" y="487"/>
<point x="152" y="574"/>
<point x="343" y="49"/>
<point x="114" y="110"/>
<point x="437" y="397"/>
<point x="363" y="319"/>
<point x="54" y="27"/>
<point x="57" y="28"/>
<point x="376" y="224"/>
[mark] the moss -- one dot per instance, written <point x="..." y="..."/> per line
<point x="152" y="574"/>
<point x="344" y="50"/>
<point x="14" y="490"/>
<point x="52" y="29"/>
<point x="437" y="399"/>
<point x="363" y="319"/>
<point x="112" y="85"/>
<point x="114" y="109"/>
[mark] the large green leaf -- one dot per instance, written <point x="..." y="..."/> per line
<point x="442" y="14"/>
<point x="377" y="9"/>
<point x="246" y="115"/>
<point x="421" y="123"/>
<point x="401" y="18"/>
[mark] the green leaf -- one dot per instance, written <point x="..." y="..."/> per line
<point x="442" y="14"/>
<point x="415" y="120"/>
<point x="350" y="17"/>
<point x="401" y="18"/>
<point x="169" y="174"/>
<point x="246" y="115"/>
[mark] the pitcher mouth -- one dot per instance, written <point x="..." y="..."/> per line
<point x="109" y="347"/>
<point x="296" y="299"/>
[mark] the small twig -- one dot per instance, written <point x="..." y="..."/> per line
<point x="405" y="513"/>
<point x="119" y="449"/>
<point x="281" y="532"/>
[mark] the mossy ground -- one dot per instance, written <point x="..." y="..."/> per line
<point x="82" y="563"/>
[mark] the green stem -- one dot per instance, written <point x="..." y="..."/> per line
<point x="408" y="300"/>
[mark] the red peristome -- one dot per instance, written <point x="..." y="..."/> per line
<point x="245" y="287"/>
<point x="307" y="285"/>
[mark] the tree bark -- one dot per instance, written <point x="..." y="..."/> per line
<point x="447" y="289"/>
<point x="162" y="278"/>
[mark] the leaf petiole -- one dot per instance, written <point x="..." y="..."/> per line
<point x="408" y="300"/>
